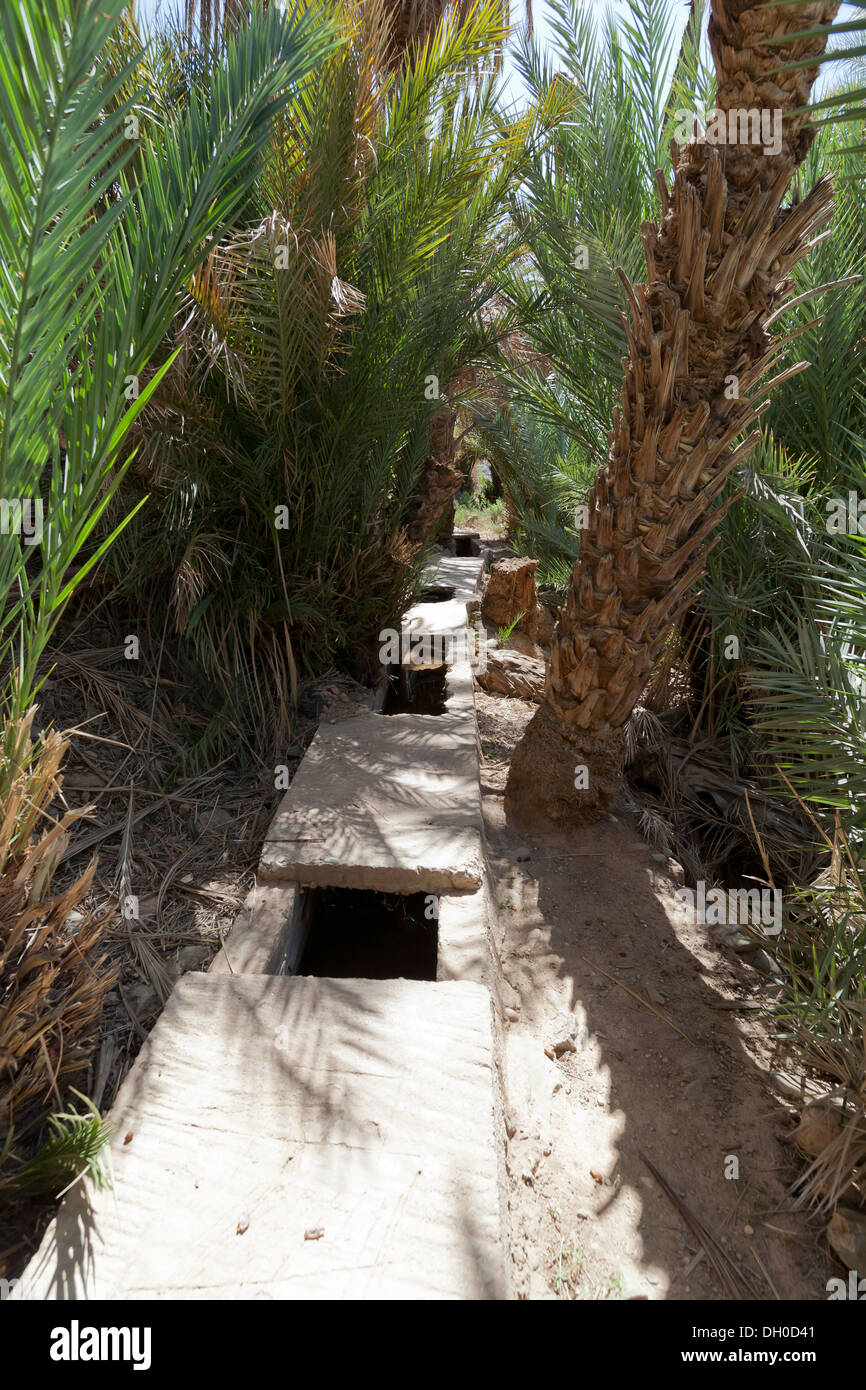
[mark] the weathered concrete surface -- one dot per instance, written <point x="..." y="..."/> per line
<point x="460" y="693"/>
<point x="462" y="573"/>
<point x="392" y="804"/>
<point x="446" y="619"/>
<point x="261" y="1108"/>
<point x="466" y="946"/>
<point x="266" y="930"/>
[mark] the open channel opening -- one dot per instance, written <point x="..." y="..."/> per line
<point x="357" y="933"/>
<point x="436" y="593"/>
<point x="416" y="689"/>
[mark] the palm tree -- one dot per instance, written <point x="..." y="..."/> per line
<point x="718" y="269"/>
<point x="101" y="227"/>
<point x="321" y="338"/>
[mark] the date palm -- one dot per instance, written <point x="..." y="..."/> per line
<point x="101" y="228"/>
<point x="320" y="340"/>
<point x="718" y="274"/>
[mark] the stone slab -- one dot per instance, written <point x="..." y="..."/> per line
<point x="263" y="1108"/>
<point x="445" y="620"/>
<point x="385" y="803"/>
<point x="266" y="936"/>
<point x="460" y="692"/>
<point x="465" y="950"/>
<point x="463" y="573"/>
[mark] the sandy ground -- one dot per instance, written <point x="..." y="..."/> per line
<point x="588" y="1218"/>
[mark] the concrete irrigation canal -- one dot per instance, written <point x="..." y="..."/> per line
<point x="320" y="1115"/>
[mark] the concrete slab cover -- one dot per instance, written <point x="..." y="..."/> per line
<point x="461" y="573"/>
<point x="392" y="804"/>
<point x="446" y="621"/>
<point x="263" y="1110"/>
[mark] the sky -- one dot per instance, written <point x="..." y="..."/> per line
<point x="513" y="87"/>
<point x="544" y="35"/>
<point x="679" y="10"/>
<point x="147" y="8"/>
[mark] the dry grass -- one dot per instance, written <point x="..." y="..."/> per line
<point x="53" y="975"/>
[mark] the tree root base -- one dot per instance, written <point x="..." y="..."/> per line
<point x="567" y="777"/>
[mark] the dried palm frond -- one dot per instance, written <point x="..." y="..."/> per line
<point x="710" y="814"/>
<point x="297" y="456"/>
<point x="53" y="975"/>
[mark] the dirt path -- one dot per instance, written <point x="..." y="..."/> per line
<point x="588" y="1219"/>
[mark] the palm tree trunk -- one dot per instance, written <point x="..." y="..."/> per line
<point x="718" y="269"/>
<point x="439" y="481"/>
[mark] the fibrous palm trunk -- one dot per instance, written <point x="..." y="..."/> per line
<point x="718" y="270"/>
<point x="438" y="483"/>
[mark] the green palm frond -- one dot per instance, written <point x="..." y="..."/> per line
<point x="76" y="1148"/>
<point x="846" y="46"/>
<point x="370" y="263"/>
<point x="103" y="221"/>
<point x="808" y="685"/>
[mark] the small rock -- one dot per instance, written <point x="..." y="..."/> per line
<point x="243" y="1224"/>
<point x="819" y="1125"/>
<point x="193" y="957"/>
<point x="314" y="1233"/>
<point x="847" y="1236"/>
<point x="143" y="999"/>
<point x="785" y="1085"/>
<point x="513" y="674"/>
<point x="562" y="1033"/>
<point x="748" y="1230"/>
<point x="736" y="941"/>
<point x="764" y="962"/>
<point x="310" y="705"/>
